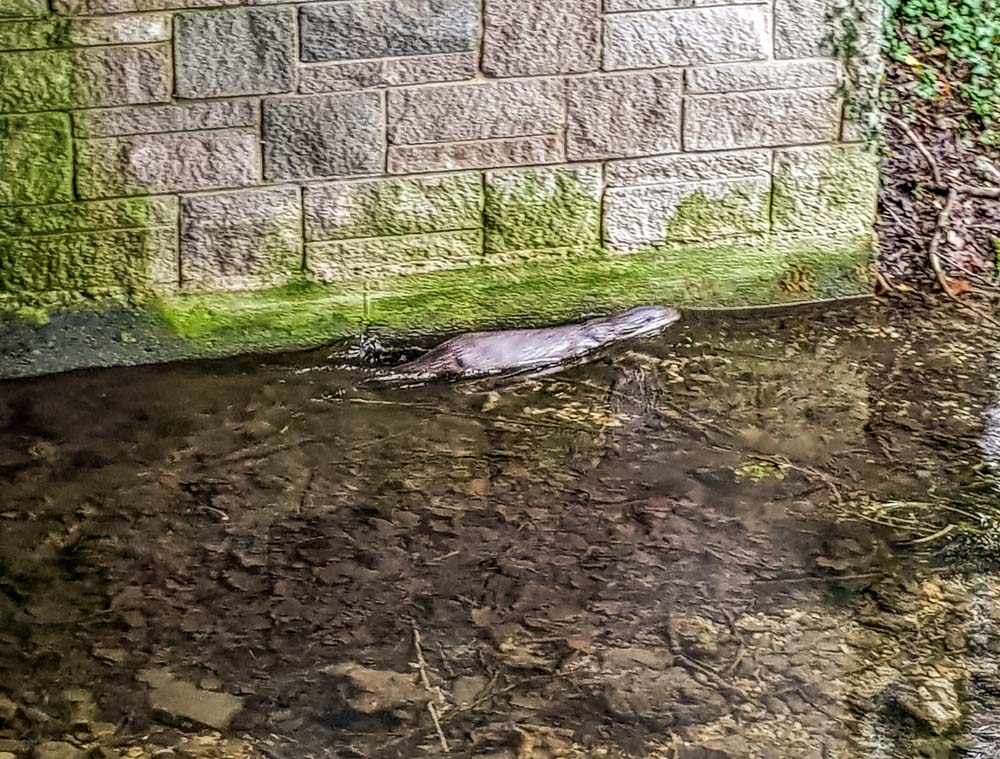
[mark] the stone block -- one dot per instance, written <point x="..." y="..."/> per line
<point x="99" y="263"/>
<point x="544" y="208"/>
<point x="323" y="136"/>
<point x="381" y="257"/>
<point x="531" y="37"/>
<point x="241" y="240"/>
<point x="802" y="28"/>
<point x="807" y="28"/>
<point x="36" y="159"/>
<point x="387" y="28"/>
<point x="58" y="31"/>
<point x="103" y="7"/>
<point x="234" y="52"/>
<point x="190" y="117"/>
<point x="387" y="207"/>
<point x="618" y="115"/>
<point x="758" y="119"/>
<point x="89" y="216"/>
<point x="772" y="75"/>
<point x="621" y="6"/>
<point x="650" y="215"/>
<point x="393" y="72"/>
<point x="518" y="151"/>
<point x="685" y="168"/>
<point x="23" y="8"/>
<point x="481" y="111"/>
<point x="162" y="163"/>
<point x="686" y="37"/>
<point x="825" y="189"/>
<point x="93" y="77"/>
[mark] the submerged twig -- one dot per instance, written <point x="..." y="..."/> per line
<point x="425" y="681"/>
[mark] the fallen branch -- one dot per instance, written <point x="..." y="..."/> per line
<point x="939" y="232"/>
<point x="979" y="192"/>
<point x="921" y="148"/>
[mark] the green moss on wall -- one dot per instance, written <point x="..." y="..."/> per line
<point x="36" y="159"/>
<point x="739" y="210"/>
<point x="308" y="314"/>
<point x="538" y="209"/>
<point x="36" y="80"/>
<point x="300" y="314"/>
<point x="49" y="32"/>
<point x="82" y="264"/>
<point x="832" y="189"/>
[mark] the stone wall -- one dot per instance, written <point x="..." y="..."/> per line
<point x="423" y="164"/>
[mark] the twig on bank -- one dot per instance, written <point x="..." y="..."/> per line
<point x="932" y="250"/>
<point x="921" y="148"/>
<point x="979" y="192"/>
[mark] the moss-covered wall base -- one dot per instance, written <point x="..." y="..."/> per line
<point x="418" y="306"/>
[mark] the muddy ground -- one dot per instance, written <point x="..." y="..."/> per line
<point x="755" y="537"/>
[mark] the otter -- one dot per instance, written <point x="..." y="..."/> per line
<point x="480" y="353"/>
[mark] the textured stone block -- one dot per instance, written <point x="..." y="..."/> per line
<point x="36" y="159"/>
<point x="523" y="151"/>
<point x="479" y="111"/>
<point x="384" y="28"/>
<point x="57" y="31"/>
<point x="776" y="117"/>
<point x="384" y="207"/>
<point x="545" y="208"/>
<point x="101" y="7"/>
<point x="773" y="75"/>
<point x="160" y="163"/>
<point x="624" y="115"/>
<point x="393" y="72"/>
<point x="23" y="8"/>
<point x="825" y="189"/>
<point x="619" y="6"/>
<point x="686" y="37"/>
<point x="234" y="52"/>
<point x="323" y="136"/>
<point x="90" y="216"/>
<point x="92" y="77"/>
<point x="380" y="257"/>
<point x="802" y="28"/>
<point x="215" y="114"/>
<point x="807" y="28"/>
<point x="97" y="263"/>
<point x="241" y="240"/>
<point x="530" y="37"/>
<point x="683" y="168"/>
<point x="639" y="217"/>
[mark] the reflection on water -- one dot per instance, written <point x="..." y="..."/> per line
<point x="741" y="540"/>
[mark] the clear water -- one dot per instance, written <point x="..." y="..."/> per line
<point x="766" y="536"/>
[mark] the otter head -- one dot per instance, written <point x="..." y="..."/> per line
<point x="642" y="321"/>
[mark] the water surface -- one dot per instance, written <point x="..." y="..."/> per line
<point x="754" y="537"/>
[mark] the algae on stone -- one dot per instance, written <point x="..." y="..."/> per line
<point x="394" y="206"/>
<point x="36" y="159"/>
<point x="530" y="210"/>
<point x="830" y="189"/>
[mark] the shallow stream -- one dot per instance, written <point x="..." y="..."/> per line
<point x="754" y="537"/>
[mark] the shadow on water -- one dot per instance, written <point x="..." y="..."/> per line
<point x="754" y="537"/>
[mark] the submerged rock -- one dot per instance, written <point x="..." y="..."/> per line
<point x="179" y="701"/>
<point x="57" y="750"/>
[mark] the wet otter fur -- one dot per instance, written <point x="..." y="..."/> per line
<point x="481" y="353"/>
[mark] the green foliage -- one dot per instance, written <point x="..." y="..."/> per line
<point x="952" y="47"/>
